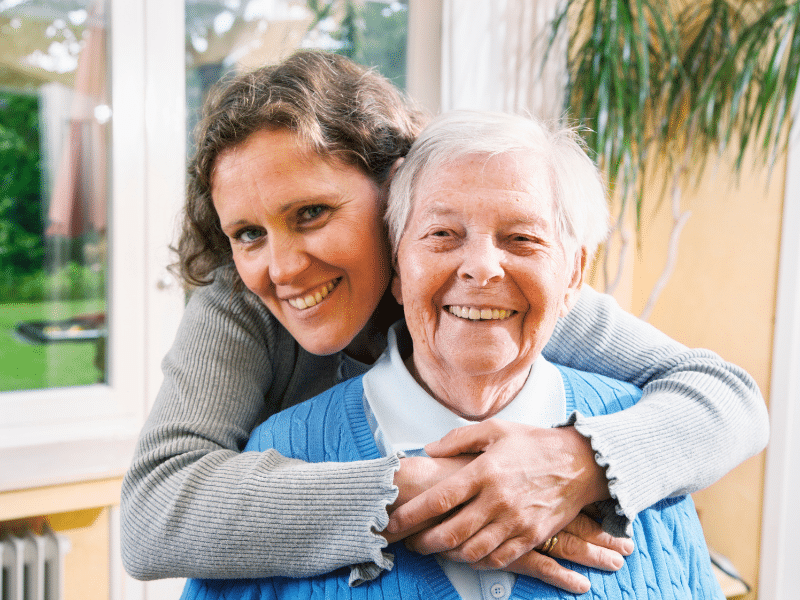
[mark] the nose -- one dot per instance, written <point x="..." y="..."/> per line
<point x="482" y="262"/>
<point x="287" y="259"/>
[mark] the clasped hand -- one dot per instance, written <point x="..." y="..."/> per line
<point x="494" y="492"/>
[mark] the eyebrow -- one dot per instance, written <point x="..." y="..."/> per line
<point x="287" y="208"/>
<point x="234" y="224"/>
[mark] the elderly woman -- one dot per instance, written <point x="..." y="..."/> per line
<point x="492" y="219"/>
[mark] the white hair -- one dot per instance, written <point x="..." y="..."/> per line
<point x="581" y="207"/>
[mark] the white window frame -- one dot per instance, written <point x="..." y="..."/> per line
<point x="88" y="432"/>
<point x="424" y="53"/>
<point x="780" y="527"/>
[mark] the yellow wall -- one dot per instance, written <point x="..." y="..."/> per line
<point x="87" y="567"/>
<point x="722" y="297"/>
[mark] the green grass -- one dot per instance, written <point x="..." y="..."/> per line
<point x="25" y="366"/>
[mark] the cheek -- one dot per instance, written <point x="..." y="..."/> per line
<point x="417" y="267"/>
<point x="423" y="288"/>
<point x="253" y="270"/>
<point x="247" y="272"/>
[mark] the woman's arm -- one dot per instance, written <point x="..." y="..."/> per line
<point x="193" y="506"/>
<point x="698" y="418"/>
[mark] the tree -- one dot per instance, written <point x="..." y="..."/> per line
<point x="21" y="222"/>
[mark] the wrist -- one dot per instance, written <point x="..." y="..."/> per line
<point x="418" y="474"/>
<point x="407" y="479"/>
<point x="592" y="476"/>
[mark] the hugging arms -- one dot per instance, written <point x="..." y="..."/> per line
<point x="490" y="249"/>
<point x="192" y="488"/>
<point x="195" y="506"/>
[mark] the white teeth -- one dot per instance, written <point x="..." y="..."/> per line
<point x="314" y="298"/>
<point x="482" y="314"/>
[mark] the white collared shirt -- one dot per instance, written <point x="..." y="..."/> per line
<point x="404" y="417"/>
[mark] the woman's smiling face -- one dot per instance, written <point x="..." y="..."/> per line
<point x="306" y="234"/>
<point x="483" y="276"/>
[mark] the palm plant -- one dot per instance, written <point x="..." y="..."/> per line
<point x="680" y="82"/>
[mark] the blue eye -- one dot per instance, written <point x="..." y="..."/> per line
<point x="248" y="235"/>
<point x="312" y="212"/>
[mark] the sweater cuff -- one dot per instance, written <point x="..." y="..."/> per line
<point x="614" y="518"/>
<point x="382" y="561"/>
<point x="368" y="571"/>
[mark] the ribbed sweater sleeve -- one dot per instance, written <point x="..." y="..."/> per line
<point x="194" y="506"/>
<point x="698" y="418"/>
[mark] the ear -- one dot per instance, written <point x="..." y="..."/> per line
<point x="576" y="281"/>
<point x="397" y="288"/>
<point x="392" y="173"/>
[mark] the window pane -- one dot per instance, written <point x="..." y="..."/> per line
<point x="54" y="123"/>
<point x="234" y="35"/>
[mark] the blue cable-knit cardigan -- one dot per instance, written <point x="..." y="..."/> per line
<point x="671" y="560"/>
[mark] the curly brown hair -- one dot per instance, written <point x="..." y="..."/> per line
<point x="340" y="109"/>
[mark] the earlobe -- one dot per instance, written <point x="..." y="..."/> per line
<point x="397" y="289"/>
<point x="392" y="173"/>
<point x="395" y="166"/>
<point x="576" y="282"/>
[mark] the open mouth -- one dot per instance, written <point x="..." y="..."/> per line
<point x="480" y="314"/>
<point x="315" y="297"/>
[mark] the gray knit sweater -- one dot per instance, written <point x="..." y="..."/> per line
<point x="194" y="506"/>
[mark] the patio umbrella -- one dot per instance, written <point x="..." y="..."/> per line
<point x="79" y="200"/>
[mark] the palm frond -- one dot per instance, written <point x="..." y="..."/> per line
<point x="617" y="49"/>
<point x="684" y="86"/>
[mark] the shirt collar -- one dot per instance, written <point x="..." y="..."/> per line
<point x="408" y="417"/>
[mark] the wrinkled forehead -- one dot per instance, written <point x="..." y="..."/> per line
<point x="523" y="181"/>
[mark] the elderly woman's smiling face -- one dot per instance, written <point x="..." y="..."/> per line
<point x="483" y="275"/>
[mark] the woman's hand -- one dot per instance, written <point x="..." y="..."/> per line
<point x="417" y="475"/>
<point x="527" y="484"/>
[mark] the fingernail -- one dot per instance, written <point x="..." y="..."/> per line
<point x="627" y="547"/>
<point x="584" y="586"/>
<point x="618" y="561"/>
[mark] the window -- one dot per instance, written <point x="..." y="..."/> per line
<point x="224" y="36"/>
<point x="72" y="105"/>
<point x="54" y="126"/>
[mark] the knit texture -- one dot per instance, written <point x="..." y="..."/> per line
<point x="194" y="506"/>
<point x="670" y="560"/>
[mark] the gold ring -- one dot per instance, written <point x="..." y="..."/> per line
<point x="549" y="544"/>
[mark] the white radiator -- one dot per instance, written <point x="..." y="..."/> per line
<point x="33" y="566"/>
